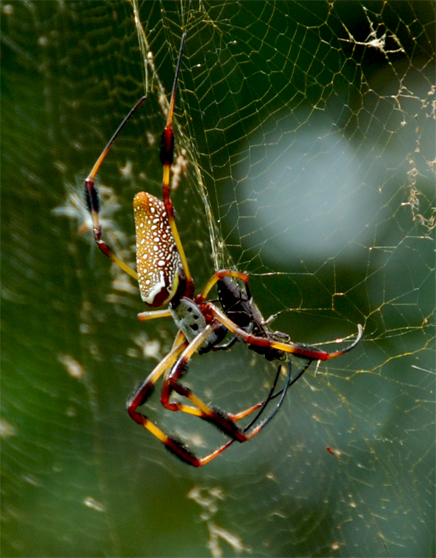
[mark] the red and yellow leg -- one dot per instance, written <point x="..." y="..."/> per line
<point x="92" y="199"/>
<point x="219" y="275"/>
<point x="166" y="157"/>
<point x="226" y="422"/>
<point x="171" y="442"/>
<point x="298" y="349"/>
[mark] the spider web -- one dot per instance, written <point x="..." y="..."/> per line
<point x="305" y="156"/>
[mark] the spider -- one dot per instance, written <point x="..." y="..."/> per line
<point x="164" y="278"/>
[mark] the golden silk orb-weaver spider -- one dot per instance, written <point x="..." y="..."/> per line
<point x="164" y="278"/>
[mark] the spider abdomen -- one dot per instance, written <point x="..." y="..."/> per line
<point x="157" y="259"/>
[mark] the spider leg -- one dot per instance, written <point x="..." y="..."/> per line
<point x="166" y="157"/>
<point x="256" y="431"/>
<point x="167" y="389"/>
<point x="173" y="375"/>
<point x="154" y="314"/>
<point x="262" y="425"/>
<point x="92" y="199"/>
<point x="172" y="443"/>
<point x="224" y="421"/>
<point x="170" y="386"/>
<point x="270" y="397"/>
<point x="177" y="406"/>
<point x="173" y="363"/>
<point x="141" y="394"/>
<point x="298" y="349"/>
<point x="219" y="275"/>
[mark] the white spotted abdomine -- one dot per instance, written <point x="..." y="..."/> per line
<point x="157" y="258"/>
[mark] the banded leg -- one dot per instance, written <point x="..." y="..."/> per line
<point x="168" y="388"/>
<point x="167" y="154"/>
<point x="262" y="425"/>
<point x="224" y="421"/>
<point x="298" y="349"/>
<point x="166" y="157"/>
<point x="93" y="202"/>
<point x="154" y="314"/>
<point x="192" y="459"/>
<point x="172" y="442"/>
<point x="142" y="393"/>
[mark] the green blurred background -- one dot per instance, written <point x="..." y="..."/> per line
<point x="308" y="131"/>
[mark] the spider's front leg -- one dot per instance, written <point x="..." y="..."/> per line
<point x="93" y="202"/>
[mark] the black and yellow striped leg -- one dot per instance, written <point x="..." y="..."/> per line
<point x="166" y="157"/>
<point x="142" y="393"/>
<point x="171" y="384"/>
<point x="224" y="421"/>
<point x="93" y="202"/>
<point x="304" y="351"/>
<point x="172" y="365"/>
<point x="171" y="442"/>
